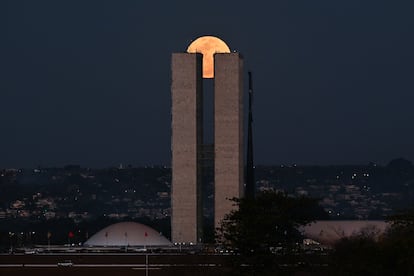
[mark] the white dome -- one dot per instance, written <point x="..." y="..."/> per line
<point x="127" y="233"/>
<point x="329" y="232"/>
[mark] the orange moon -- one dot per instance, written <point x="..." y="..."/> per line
<point x="208" y="46"/>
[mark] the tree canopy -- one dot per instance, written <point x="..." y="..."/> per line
<point x="391" y="254"/>
<point x="268" y="221"/>
<point x="263" y="227"/>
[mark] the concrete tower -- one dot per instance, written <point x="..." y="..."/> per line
<point x="228" y="133"/>
<point x="186" y="142"/>
<point x="206" y="57"/>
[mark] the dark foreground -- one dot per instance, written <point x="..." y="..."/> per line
<point x="112" y="264"/>
<point x="121" y="264"/>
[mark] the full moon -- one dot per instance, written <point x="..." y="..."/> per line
<point x="208" y="46"/>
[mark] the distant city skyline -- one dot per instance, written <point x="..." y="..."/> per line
<point x="89" y="83"/>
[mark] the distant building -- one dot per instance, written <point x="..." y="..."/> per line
<point x="206" y="57"/>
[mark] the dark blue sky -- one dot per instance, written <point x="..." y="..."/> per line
<point x="87" y="82"/>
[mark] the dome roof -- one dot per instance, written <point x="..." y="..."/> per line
<point x="127" y="233"/>
<point x="329" y="232"/>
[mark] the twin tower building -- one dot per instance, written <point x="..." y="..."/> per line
<point x="207" y="57"/>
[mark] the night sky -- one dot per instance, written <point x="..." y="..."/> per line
<point x="88" y="82"/>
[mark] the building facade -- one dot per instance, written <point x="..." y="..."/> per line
<point x="188" y="71"/>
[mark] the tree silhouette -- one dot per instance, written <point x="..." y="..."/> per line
<point x="260" y="226"/>
<point x="390" y="254"/>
